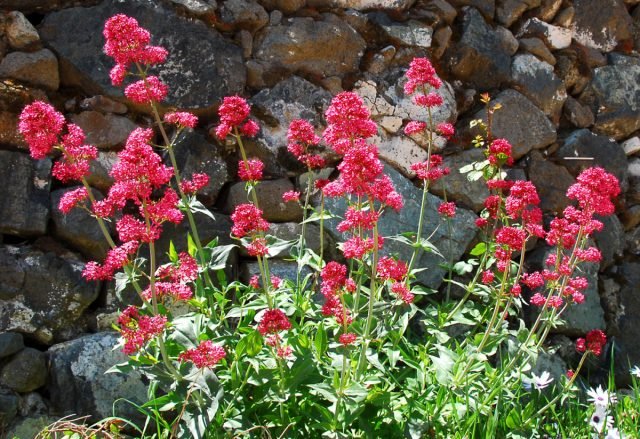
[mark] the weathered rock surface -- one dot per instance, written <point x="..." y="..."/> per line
<point x="508" y="11"/>
<point x="584" y="149"/>
<point x="104" y="131"/>
<point x="614" y="93"/>
<point x="361" y="5"/>
<point x="78" y="383"/>
<point x="20" y="32"/>
<point x="293" y="98"/>
<point x="41" y="294"/>
<point x="100" y="168"/>
<point x="202" y="66"/>
<point x="244" y="14"/>
<point x="535" y="79"/>
<point x="25" y="371"/>
<point x="393" y="223"/>
<point x="10" y="343"/>
<point x="610" y="241"/>
<point x="601" y="24"/>
<point x="24" y="194"/>
<point x="537" y="47"/>
<point x="482" y="57"/>
<point x="579" y="115"/>
<point x="628" y="336"/>
<point x="194" y="154"/>
<point x="556" y="37"/>
<point x="411" y="33"/>
<point x="401" y="152"/>
<point x="552" y="182"/>
<point x="486" y="7"/>
<point x="36" y="68"/>
<point x="301" y="44"/>
<point x="78" y="228"/>
<point x="520" y="122"/>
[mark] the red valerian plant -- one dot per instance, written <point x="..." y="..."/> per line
<point x="350" y="347"/>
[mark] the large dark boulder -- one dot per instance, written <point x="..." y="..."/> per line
<point x="202" y="66"/>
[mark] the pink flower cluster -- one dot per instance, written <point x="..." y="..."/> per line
<point x="234" y="114"/>
<point x="431" y="169"/>
<point x="421" y="74"/>
<point x="594" y="341"/>
<point x="302" y="138"/>
<point x="137" y="329"/>
<point x="205" y="355"/>
<point x="44" y="129"/>
<point x="396" y="271"/>
<point x="334" y="284"/>
<point x="272" y="323"/>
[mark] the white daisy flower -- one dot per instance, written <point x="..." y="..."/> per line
<point x="601" y="397"/>
<point x="537" y="382"/>
<point x="635" y="371"/>
<point x="613" y="433"/>
<point x="599" y="419"/>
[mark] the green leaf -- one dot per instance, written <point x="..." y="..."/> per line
<point x="462" y="268"/>
<point x="191" y="245"/>
<point x="479" y="249"/>
<point x="196" y="206"/>
<point x="218" y="256"/>
<point x="254" y="343"/>
<point x="122" y="280"/>
<point x="321" y="341"/>
<point x="173" y="254"/>
<point x="316" y="216"/>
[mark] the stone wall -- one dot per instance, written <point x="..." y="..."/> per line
<point x="565" y="71"/>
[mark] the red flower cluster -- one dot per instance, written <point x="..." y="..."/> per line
<point x="347" y="119"/>
<point x="421" y="73"/>
<point x="128" y="43"/>
<point x="594" y="191"/>
<point x="42" y="127"/>
<point x="302" y="137"/>
<point x="273" y="321"/>
<point x="71" y="199"/>
<point x="250" y="170"/>
<point x="447" y="209"/>
<point x="392" y="269"/>
<point x="116" y="258"/>
<point x="182" y="119"/>
<point x="197" y="182"/>
<point x="138" y="329"/>
<point x="206" y="354"/>
<point x="594" y="341"/>
<point x="430" y="170"/>
<point x="247" y="220"/>
<point x="291" y="196"/>
<point x="234" y="114"/>
<point x="499" y="152"/>
<point x="334" y="284"/>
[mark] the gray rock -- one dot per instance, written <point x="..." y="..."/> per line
<point x="32" y="404"/>
<point x="565" y="17"/>
<point x="442" y="9"/>
<point x="78" y="382"/>
<point x="537" y="47"/>
<point x="28" y="6"/>
<point x="410" y="33"/>
<point x="24" y="195"/>
<point x="631" y="146"/>
<point x="535" y="79"/>
<point x="8" y="408"/>
<point x="202" y="66"/>
<point x="293" y="98"/>
<point x="486" y="7"/>
<point x="363" y="5"/>
<point x="42" y="294"/>
<point x="509" y="11"/>
<point x="199" y="8"/>
<point x="392" y="224"/>
<point x="244" y="14"/>
<point x="601" y="24"/>
<point x="103" y="104"/>
<point x="579" y="115"/>
<point x="441" y="38"/>
<point x="194" y="154"/>
<point x="482" y="57"/>
<point x="597" y="151"/>
<point x="25" y="371"/>
<point x="99" y="170"/>
<point x="301" y="44"/>
<point x="36" y="68"/>
<point x="269" y="194"/>
<point x="610" y="241"/>
<point x="10" y="343"/>
<point x="552" y="182"/>
<point x="615" y="94"/>
<point x="556" y="37"/>
<point x="105" y="131"/>
<point x="20" y="32"/>
<point x="520" y="122"/>
<point x="9" y="134"/>
<point x="401" y="152"/>
<point x="628" y="337"/>
<point x="78" y="228"/>
<point x="470" y="194"/>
